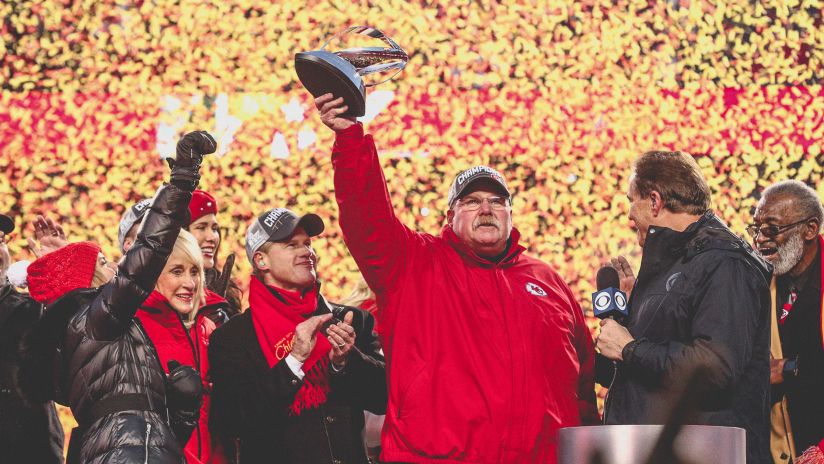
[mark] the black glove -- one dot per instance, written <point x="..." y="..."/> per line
<point x="221" y="284"/>
<point x="184" y="394"/>
<point x="188" y="156"/>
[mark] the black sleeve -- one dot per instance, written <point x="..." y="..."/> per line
<point x="362" y="383"/>
<point x="729" y="308"/>
<point x="183" y="426"/>
<point x="19" y="354"/>
<point x="604" y="370"/>
<point x="240" y="395"/>
<point x="112" y="311"/>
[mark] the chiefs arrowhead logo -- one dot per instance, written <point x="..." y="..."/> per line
<point x="535" y="289"/>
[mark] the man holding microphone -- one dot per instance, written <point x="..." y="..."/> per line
<point x="700" y="304"/>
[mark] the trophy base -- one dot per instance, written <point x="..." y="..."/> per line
<point x="323" y="72"/>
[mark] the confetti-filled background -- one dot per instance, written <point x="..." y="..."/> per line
<point x="559" y="96"/>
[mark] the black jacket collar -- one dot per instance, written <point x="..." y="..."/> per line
<point x="664" y="246"/>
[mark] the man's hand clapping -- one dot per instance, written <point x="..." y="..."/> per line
<point x="342" y="338"/>
<point x="306" y="335"/>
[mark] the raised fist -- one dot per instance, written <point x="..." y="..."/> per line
<point x="192" y="147"/>
<point x="331" y="109"/>
<point x="188" y="156"/>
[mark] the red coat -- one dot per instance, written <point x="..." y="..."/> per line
<point x="485" y="361"/>
<point x="171" y="340"/>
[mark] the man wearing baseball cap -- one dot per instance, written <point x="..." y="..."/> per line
<point x="484" y="341"/>
<point x="287" y="376"/>
<point x="130" y="223"/>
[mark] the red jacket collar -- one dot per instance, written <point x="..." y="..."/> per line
<point x="515" y="249"/>
<point x="158" y="307"/>
<point x="157" y="302"/>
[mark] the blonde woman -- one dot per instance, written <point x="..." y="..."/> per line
<point x="179" y="332"/>
<point x="109" y="369"/>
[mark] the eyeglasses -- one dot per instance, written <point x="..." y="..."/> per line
<point x="772" y="230"/>
<point x="474" y="204"/>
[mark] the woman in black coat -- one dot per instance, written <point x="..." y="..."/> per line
<point x="108" y="371"/>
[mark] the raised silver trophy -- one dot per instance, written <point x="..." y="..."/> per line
<point x="341" y="73"/>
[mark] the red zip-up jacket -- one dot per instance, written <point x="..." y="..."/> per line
<point x="485" y="361"/>
<point x="171" y="340"/>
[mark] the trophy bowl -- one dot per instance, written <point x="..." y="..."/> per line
<point x="341" y="73"/>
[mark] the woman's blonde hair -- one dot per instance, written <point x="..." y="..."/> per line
<point x="359" y="294"/>
<point x="187" y="249"/>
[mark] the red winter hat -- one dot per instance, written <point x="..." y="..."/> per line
<point x="63" y="270"/>
<point x="202" y="204"/>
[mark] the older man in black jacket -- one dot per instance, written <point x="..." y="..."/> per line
<point x="701" y="301"/>
<point x="787" y="233"/>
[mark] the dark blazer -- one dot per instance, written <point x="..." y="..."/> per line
<point x="249" y="401"/>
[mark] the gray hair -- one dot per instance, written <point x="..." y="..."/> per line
<point x="808" y="204"/>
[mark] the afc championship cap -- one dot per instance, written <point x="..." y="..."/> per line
<point x="471" y="175"/>
<point x="131" y="217"/>
<point x="278" y="224"/>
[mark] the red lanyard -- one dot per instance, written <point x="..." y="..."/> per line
<point x="788" y="306"/>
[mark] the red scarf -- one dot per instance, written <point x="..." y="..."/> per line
<point x="166" y="331"/>
<point x="169" y="337"/>
<point x="274" y="320"/>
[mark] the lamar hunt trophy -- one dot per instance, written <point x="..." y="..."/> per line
<point x="340" y="73"/>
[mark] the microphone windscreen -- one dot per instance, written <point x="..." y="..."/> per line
<point x="607" y="277"/>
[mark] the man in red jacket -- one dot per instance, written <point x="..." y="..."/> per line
<point x="487" y="351"/>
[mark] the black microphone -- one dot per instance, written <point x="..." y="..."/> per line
<point x="609" y="301"/>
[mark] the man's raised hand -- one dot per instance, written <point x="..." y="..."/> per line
<point x="331" y="109"/>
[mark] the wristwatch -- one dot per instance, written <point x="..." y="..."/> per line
<point x="629" y="349"/>
<point x="790" y="369"/>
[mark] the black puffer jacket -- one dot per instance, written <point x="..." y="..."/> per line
<point x="702" y="298"/>
<point x="107" y="354"/>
